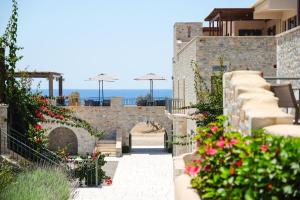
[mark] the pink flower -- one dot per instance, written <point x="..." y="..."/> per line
<point x="209" y="135"/>
<point x="264" y="148"/>
<point x="192" y="170"/>
<point x="214" y="129"/>
<point x="211" y="151"/>
<point x="247" y="142"/>
<point x="221" y="143"/>
<point x="233" y="142"/>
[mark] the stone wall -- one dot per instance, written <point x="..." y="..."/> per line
<point x="122" y="118"/>
<point x="288" y="54"/>
<point x="249" y="102"/>
<point x="183" y="75"/>
<point x="3" y="127"/>
<point x="185" y="32"/>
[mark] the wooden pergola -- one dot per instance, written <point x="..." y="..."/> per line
<point x="218" y="16"/>
<point x="46" y="75"/>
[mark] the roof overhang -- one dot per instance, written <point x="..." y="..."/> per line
<point x="231" y="14"/>
<point x="273" y="9"/>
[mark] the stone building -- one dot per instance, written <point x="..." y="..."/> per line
<point x="264" y="37"/>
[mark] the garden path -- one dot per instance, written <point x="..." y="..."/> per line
<point x="145" y="174"/>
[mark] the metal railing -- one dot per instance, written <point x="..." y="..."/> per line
<point x="175" y="106"/>
<point x="157" y="101"/>
<point x="23" y="148"/>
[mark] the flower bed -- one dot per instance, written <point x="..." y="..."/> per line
<point x="232" y="166"/>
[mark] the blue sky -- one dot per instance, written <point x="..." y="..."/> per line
<point x="124" y="38"/>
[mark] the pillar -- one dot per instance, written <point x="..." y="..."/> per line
<point x="60" y="86"/>
<point x="298" y="11"/>
<point x="2" y="75"/>
<point x="50" y="85"/>
<point x="3" y="128"/>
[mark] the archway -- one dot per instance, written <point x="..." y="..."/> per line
<point x="63" y="137"/>
<point x="149" y="134"/>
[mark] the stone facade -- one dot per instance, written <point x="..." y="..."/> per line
<point x="120" y="118"/>
<point x="288" y="54"/>
<point x="3" y="127"/>
<point x="238" y="53"/>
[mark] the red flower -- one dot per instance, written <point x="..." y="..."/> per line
<point x="233" y="142"/>
<point x="209" y="135"/>
<point x="206" y="168"/>
<point x="210" y="151"/>
<point x="221" y="143"/>
<point x="264" y="148"/>
<point x="205" y="114"/>
<point x="108" y="181"/>
<point x="239" y="163"/>
<point x="270" y="186"/>
<point x="214" y="129"/>
<point x="38" y="127"/>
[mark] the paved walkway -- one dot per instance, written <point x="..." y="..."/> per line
<point x="145" y="174"/>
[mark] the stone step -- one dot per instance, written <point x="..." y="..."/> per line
<point x="101" y="142"/>
<point x="107" y="149"/>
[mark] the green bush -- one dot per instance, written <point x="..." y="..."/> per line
<point x="39" y="184"/>
<point x="233" y="166"/>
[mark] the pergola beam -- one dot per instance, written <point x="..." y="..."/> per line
<point x="47" y="75"/>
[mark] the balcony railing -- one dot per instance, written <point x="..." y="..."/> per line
<point x="175" y="106"/>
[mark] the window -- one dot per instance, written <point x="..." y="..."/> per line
<point x="272" y="30"/>
<point x="250" y="32"/>
<point x="290" y="23"/>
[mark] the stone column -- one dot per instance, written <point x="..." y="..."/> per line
<point x="117" y="102"/>
<point x="50" y="85"/>
<point x="179" y="129"/>
<point x="3" y="127"/>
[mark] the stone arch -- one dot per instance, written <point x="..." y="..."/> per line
<point x="61" y="137"/>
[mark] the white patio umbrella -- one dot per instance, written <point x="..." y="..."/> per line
<point x="150" y="77"/>
<point x="101" y="78"/>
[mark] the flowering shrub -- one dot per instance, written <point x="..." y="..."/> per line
<point x="232" y="166"/>
<point x="86" y="169"/>
<point x="42" y="111"/>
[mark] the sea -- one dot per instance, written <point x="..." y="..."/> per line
<point x="125" y="93"/>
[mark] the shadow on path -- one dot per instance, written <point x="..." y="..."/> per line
<point x="148" y="150"/>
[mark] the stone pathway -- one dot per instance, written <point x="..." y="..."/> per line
<point x="145" y="174"/>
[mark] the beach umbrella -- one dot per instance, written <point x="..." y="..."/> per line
<point x="150" y="77"/>
<point x="101" y="78"/>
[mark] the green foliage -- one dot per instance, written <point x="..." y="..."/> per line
<point x="233" y="166"/>
<point x="7" y="175"/>
<point x="209" y="99"/>
<point x="143" y="99"/>
<point x="46" y="184"/>
<point x="87" y="169"/>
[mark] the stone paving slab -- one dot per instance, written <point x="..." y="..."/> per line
<point x="145" y="174"/>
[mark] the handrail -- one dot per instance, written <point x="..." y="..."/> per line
<point x="44" y="149"/>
